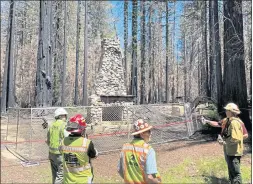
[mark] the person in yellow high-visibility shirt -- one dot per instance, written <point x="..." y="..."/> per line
<point x="137" y="162"/>
<point x="77" y="151"/>
<point x="232" y="135"/>
<point x="54" y="135"/>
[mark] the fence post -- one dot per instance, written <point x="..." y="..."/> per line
<point x="161" y="135"/>
<point x="196" y="120"/>
<point x="128" y="123"/>
<point x="188" y="118"/>
<point x="7" y="128"/>
<point x="31" y="132"/>
<point x="17" y="129"/>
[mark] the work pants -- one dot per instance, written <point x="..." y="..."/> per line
<point x="56" y="168"/>
<point x="234" y="171"/>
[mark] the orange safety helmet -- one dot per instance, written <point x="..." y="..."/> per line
<point x="76" y="124"/>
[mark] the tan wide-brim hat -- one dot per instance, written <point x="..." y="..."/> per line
<point x="140" y="126"/>
<point x="233" y="108"/>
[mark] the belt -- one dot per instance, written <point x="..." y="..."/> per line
<point x="53" y="149"/>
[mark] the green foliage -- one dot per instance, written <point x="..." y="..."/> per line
<point x="209" y="111"/>
<point x="213" y="115"/>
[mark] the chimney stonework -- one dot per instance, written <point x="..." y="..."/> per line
<point x="109" y="82"/>
<point x="110" y="78"/>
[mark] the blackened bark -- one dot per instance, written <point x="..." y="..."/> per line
<point x="8" y="95"/>
<point x="126" y="43"/>
<point x="143" y="59"/>
<point x="217" y="55"/>
<point x="78" y="27"/>
<point x="234" y="80"/>
<point x="134" y="50"/>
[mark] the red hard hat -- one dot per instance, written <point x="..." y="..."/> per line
<point x="76" y="124"/>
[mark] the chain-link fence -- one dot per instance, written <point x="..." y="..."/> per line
<point x="109" y="127"/>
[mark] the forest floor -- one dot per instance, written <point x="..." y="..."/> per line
<point x="178" y="162"/>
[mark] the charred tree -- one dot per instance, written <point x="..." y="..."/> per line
<point x="7" y="92"/>
<point x="78" y="27"/>
<point x="143" y="99"/>
<point x="234" y="80"/>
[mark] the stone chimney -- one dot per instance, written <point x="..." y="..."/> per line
<point x="110" y="101"/>
<point x="110" y="78"/>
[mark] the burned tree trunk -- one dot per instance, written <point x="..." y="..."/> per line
<point x="64" y="58"/>
<point x="134" y="51"/>
<point x="234" y="80"/>
<point x="126" y="42"/>
<point x="167" y="55"/>
<point x="43" y="83"/>
<point x="78" y="27"/>
<point x="143" y="59"/>
<point x="217" y="55"/>
<point x="8" y="95"/>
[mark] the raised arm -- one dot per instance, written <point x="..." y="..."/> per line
<point x="212" y="123"/>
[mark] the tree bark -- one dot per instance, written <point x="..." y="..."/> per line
<point x="64" y="58"/>
<point x="8" y="96"/>
<point x="143" y="59"/>
<point x="57" y="55"/>
<point x="217" y="55"/>
<point x="40" y="60"/>
<point x="234" y="80"/>
<point x="85" y="69"/>
<point x="185" y="67"/>
<point x="78" y="27"/>
<point x="159" y="53"/>
<point x="134" y="50"/>
<point x="126" y="42"/>
<point x="211" y="51"/>
<point x="150" y="46"/>
<point x="167" y="55"/>
<point x="204" y="64"/>
<point x="50" y="51"/>
<point x="173" y="54"/>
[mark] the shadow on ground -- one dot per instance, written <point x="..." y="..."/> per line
<point x="215" y="180"/>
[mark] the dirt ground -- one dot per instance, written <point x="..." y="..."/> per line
<point x="105" y="166"/>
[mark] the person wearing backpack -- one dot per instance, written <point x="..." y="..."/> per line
<point x="231" y="137"/>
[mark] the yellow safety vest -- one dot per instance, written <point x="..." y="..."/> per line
<point x="135" y="156"/>
<point x="234" y="133"/>
<point x="56" y="134"/>
<point x="76" y="165"/>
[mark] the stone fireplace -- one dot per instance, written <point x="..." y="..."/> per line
<point x="109" y="101"/>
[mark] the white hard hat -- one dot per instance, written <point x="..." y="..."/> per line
<point x="60" y="111"/>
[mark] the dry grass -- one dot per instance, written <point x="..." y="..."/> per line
<point x="177" y="162"/>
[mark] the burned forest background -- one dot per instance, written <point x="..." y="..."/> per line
<point x="50" y="51"/>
